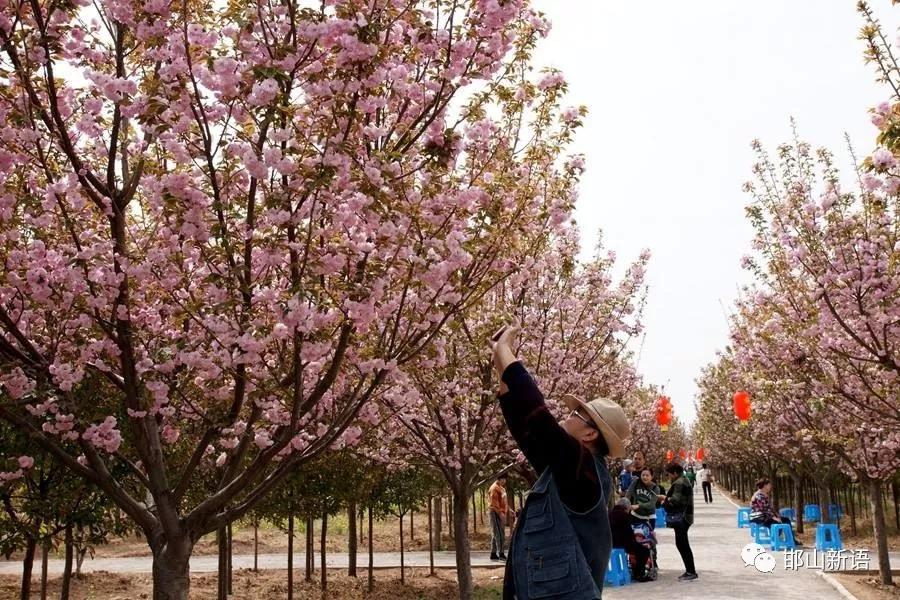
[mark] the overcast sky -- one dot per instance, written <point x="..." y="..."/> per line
<point x="676" y="92"/>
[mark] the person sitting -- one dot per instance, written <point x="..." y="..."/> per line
<point x="623" y="537"/>
<point x="762" y="511"/>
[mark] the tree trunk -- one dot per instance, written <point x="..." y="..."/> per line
<point x="822" y="499"/>
<point x="222" y="543"/>
<point x="430" y="538"/>
<point x="850" y="494"/>
<point x="474" y="515"/>
<point x="402" y="565"/>
<point x="895" y="493"/>
<point x="351" y="539"/>
<point x="310" y="549"/>
<point x="362" y="525"/>
<point x="79" y="560"/>
<point x="290" y="555"/>
<point x="880" y="530"/>
<point x="481" y="512"/>
<point x="322" y="552"/>
<point x="463" y="553"/>
<point x="798" y="498"/>
<point x="371" y="554"/>
<point x="438" y="523"/>
<point x="412" y="531"/>
<point x="451" y="510"/>
<point x="171" y="570"/>
<point x="67" y="569"/>
<point x="255" y="545"/>
<point x="27" y="567"/>
<point x="80" y="551"/>
<point x="45" y="556"/>
<point x="776" y="493"/>
<point x="229" y="570"/>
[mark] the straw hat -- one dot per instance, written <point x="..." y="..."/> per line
<point x="609" y="418"/>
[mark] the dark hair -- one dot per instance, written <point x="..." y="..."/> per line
<point x="761" y="483"/>
<point x="704" y="465"/>
<point x="647" y="469"/>
<point x="674" y="468"/>
<point x="502" y="476"/>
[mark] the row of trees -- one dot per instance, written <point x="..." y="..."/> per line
<point x="244" y="242"/>
<point x="816" y="337"/>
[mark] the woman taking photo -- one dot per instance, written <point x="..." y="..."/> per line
<point x="679" y="505"/>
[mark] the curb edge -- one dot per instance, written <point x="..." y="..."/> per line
<point x="836" y="585"/>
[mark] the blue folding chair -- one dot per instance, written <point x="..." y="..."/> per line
<point x="618" y="572"/>
<point x="812" y="513"/>
<point x="828" y="537"/>
<point x="782" y="537"/>
<point x="660" y="517"/>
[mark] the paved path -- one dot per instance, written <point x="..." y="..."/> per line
<point x="717" y="543"/>
<point x="715" y="540"/>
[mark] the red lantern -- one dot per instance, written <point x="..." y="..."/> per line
<point x="742" y="406"/>
<point x="663" y="413"/>
<point x="670" y="456"/>
<point x="700" y="454"/>
<point x="682" y="454"/>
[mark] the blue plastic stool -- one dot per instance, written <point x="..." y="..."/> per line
<point x="762" y="535"/>
<point x="782" y="537"/>
<point x="618" y="572"/>
<point x="753" y="528"/>
<point x="835" y="512"/>
<point x="790" y="513"/>
<point x="660" y="518"/>
<point x="828" y="537"/>
<point x="743" y="517"/>
<point x="812" y="513"/>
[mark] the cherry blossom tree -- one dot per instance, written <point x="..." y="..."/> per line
<point x="224" y="227"/>
<point x="577" y="322"/>
<point x="816" y="336"/>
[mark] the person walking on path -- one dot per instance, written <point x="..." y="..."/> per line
<point x="562" y="544"/>
<point x="498" y="510"/>
<point x="623" y="537"/>
<point x="705" y="478"/>
<point x="679" y="505"/>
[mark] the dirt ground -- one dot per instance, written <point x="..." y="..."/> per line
<point x="273" y="584"/>
<point x="868" y="587"/>
<point x="864" y="536"/>
<point x="272" y="540"/>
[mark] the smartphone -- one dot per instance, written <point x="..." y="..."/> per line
<point x="497" y="335"/>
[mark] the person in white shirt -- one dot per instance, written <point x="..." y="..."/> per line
<point x="705" y="478"/>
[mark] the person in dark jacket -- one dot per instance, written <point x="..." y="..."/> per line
<point x="561" y="546"/>
<point x="679" y="505"/>
<point x="623" y="537"/>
